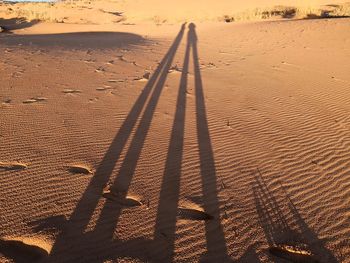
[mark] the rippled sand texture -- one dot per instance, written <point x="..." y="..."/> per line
<point x="197" y="142"/>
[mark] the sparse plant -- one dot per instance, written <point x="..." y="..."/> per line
<point x="158" y="20"/>
<point x="228" y="19"/>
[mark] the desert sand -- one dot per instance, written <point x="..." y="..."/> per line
<point x="145" y="131"/>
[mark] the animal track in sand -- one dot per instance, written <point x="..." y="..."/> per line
<point x="33" y="100"/>
<point x="70" y="91"/>
<point x="12" y="166"/>
<point x="23" y="249"/>
<point x="79" y="169"/>
<point x="293" y="254"/>
<point x="128" y="200"/>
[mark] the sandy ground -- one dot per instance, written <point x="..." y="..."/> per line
<point x="197" y="142"/>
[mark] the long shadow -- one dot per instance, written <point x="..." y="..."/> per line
<point x="77" y="244"/>
<point x="169" y="195"/>
<point x="278" y="230"/>
<point x="85" y="208"/>
<point x="129" y="164"/>
<point x="216" y="244"/>
<point x="164" y="233"/>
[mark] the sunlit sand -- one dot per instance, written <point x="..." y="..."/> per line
<point x="175" y="131"/>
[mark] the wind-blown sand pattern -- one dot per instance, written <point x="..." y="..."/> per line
<point x="186" y="142"/>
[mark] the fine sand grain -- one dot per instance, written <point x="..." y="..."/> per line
<point x="186" y="142"/>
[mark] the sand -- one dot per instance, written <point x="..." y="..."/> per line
<point x="185" y="142"/>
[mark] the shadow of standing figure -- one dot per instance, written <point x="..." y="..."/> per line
<point x="76" y="244"/>
<point x="170" y="189"/>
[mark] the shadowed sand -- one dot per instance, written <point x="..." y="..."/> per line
<point x="137" y="140"/>
<point x="82" y="40"/>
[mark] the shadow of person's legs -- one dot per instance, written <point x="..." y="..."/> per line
<point x="164" y="234"/>
<point x="90" y="198"/>
<point x="216" y="244"/>
<point x="125" y="174"/>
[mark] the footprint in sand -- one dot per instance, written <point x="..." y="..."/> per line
<point x="193" y="214"/>
<point x="23" y="249"/>
<point x="89" y="61"/>
<point x="28" y="101"/>
<point x="55" y="223"/>
<point x="71" y="91"/>
<point x="121" y="58"/>
<point x="101" y="89"/>
<point x="129" y="200"/>
<point x="175" y="69"/>
<point x="100" y="70"/>
<point x="106" y="87"/>
<point x="7" y="101"/>
<point x="79" y="169"/>
<point x="191" y="211"/>
<point x="293" y="254"/>
<point x="33" y="100"/>
<point x="12" y="166"/>
<point x="209" y="65"/>
<point x="115" y="80"/>
<point x="144" y="78"/>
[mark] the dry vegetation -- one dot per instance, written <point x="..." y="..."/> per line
<point x="77" y="12"/>
<point x="96" y="12"/>
<point x="328" y="11"/>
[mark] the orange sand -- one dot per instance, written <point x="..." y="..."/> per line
<point x="204" y="142"/>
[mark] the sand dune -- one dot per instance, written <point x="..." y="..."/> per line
<point x="109" y="12"/>
<point x="187" y="142"/>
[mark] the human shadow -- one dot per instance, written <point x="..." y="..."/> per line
<point x="164" y="233"/>
<point x="127" y="169"/>
<point x="79" y="40"/>
<point x="9" y="24"/>
<point x="286" y="229"/>
<point x="170" y="188"/>
<point x="76" y="244"/>
<point x="216" y="244"/>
